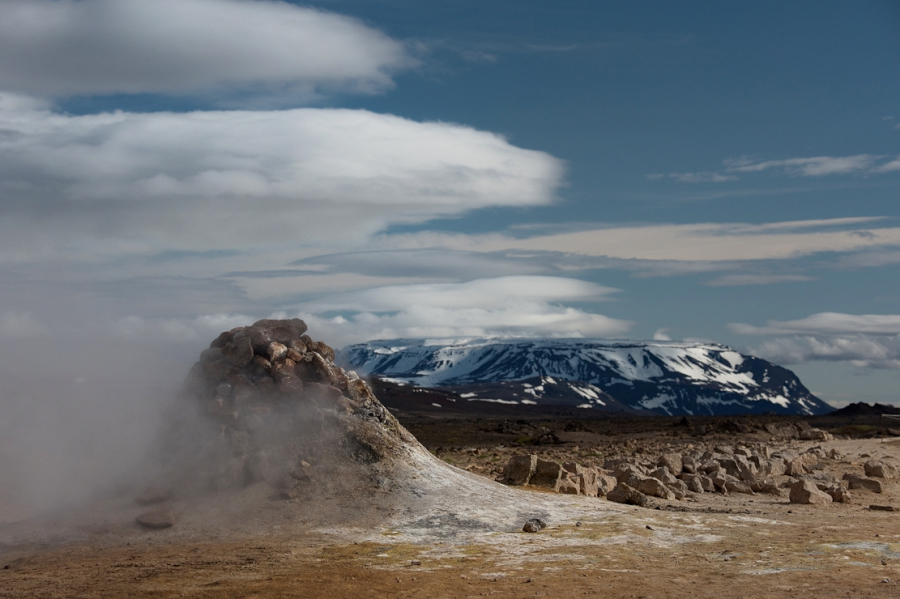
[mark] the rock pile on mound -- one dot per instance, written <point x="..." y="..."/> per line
<point x="283" y="413"/>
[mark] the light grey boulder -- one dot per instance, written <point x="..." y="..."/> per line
<point x="673" y="461"/>
<point x="805" y="492"/>
<point x="880" y="469"/>
<point x="626" y="494"/>
<point x="655" y="488"/>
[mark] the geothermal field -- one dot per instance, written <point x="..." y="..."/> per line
<point x="277" y="473"/>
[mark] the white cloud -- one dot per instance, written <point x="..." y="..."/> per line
<point x="122" y="183"/>
<point x="755" y="279"/>
<point x="828" y="323"/>
<point x="705" y="177"/>
<point x="662" y="335"/>
<point x="816" y="166"/>
<point x="72" y="47"/>
<point x="699" y="243"/>
<point x="862" y="351"/>
<point x="887" y="167"/>
<point x="864" y="340"/>
<point x="520" y="306"/>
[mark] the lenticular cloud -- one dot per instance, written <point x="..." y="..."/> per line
<point x="239" y="179"/>
<point x="85" y="47"/>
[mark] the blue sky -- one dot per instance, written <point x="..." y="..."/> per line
<point x="385" y="168"/>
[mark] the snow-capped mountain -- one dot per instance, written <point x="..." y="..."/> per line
<point x="665" y="377"/>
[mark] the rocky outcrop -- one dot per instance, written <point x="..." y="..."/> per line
<point x="274" y="408"/>
<point x="723" y="469"/>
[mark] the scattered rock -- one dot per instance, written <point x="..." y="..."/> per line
<point x="883" y="508"/>
<point x="605" y="484"/>
<point x="880" y="469"/>
<point x="815" y="434"/>
<point x="854" y="481"/>
<point x="806" y="492"/>
<point x="519" y="469"/>
<point x="672" y="461"/>
<point x="656" y="488"/>
<point x="547" y="474"/>
<point x="534" y="525"/>
<point x="626" y="494"/>
<point x="839" y="493"/>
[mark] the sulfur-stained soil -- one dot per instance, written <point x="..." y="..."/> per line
<point x="708" y="545"/>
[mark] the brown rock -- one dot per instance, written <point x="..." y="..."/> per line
<point x="625" y="494"/>
<point x="664" y="475"/>
<point x="805" y="492"/>
<point x="239" y="352"/>
<point x="626" y="472"/>
<point x="569" y="484"/>
<point x="880" y="469"/>
<point x="534" y="525"/>
<point x="587" y="481"/>
<point x="765" y="486"/>
<point x="673" y="461"/>
<point x="547" y="474"/>
<point x="854" y="481"/>
<point x="839" y="493"/>
<point x="803" y="464"/>
<point x="737" y="486"/>
<point x="276" y="351"/>
<point x="692" y="482"/>
<point x="286" y="367"/>
<point x="815" y="434"/>
<point x="655" y="488"/>
<point x="605" y="484"/>
<point x="519" y="469"/>
<point x="224" y="338"/>
<point x="282" y="331"/>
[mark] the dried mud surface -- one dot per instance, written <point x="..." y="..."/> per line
<point x="711" y="546"/>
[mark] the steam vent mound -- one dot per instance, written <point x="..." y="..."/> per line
<point x="286" y="415"/>
<point x="284" y="436"/>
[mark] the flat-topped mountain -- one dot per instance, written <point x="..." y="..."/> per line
<point x="664" y="377"/>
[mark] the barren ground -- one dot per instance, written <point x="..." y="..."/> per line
<point x="707" y="546"/>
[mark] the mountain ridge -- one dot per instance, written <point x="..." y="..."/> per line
<point x="664" y="377"/>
